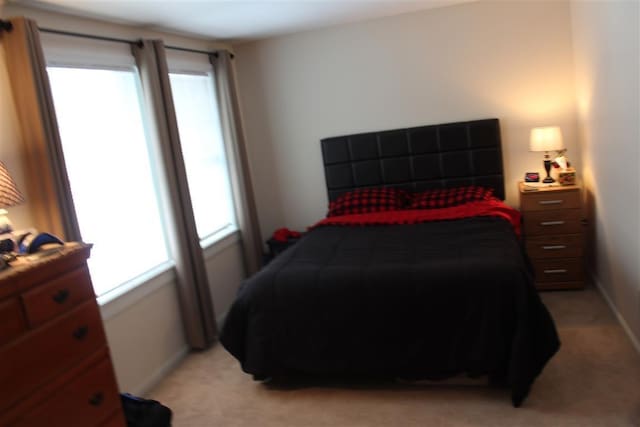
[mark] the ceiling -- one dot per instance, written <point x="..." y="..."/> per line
<point x="236" y="20"/>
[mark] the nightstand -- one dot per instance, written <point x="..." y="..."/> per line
<point x="553" y="233"/>
<point x="276" y="247"/>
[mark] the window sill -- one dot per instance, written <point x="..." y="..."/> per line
<point x="131" y="292"/>
<point x="127" y="294"/>
<point x="214" y="238"/>
<point x="219" y="241"/>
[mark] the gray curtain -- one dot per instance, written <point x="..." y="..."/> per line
<point x="48" y="190"/>
<point x="193" y="287"/>
<point x="241" y="177"/>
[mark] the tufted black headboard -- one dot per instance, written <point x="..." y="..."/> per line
<point x="418" y="158"/>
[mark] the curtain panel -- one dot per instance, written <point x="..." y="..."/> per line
<point x="193" y="287"/>
<point x="239" y="161"/>
<point x="48" y="190"/>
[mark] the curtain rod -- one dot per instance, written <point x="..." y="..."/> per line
<point x="89" y="36"/>
<point x="185" y="49"/>
<point x="117" y="40"/>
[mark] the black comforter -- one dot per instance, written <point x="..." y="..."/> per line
<point x="421" y="301"/>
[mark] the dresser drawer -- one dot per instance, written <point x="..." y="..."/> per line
<point x="87" y="401"/>
<point x="57" y="296"/>
<point x="558" y="270"/>
<point x="12" y="323"/>
<point x="553" y="222"/>
<point x="116" y="420"/>
<point x="47" y="351"/>
<point x="550" y="200"/>
<point x="555" y="246"/>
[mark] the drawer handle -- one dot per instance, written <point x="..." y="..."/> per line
<point x="548" y="223"/>
<point x="81" y="332"/>
<point x="550" y="202"/>
<point x="553" y="247"/>
<point x="96" y="399"/>
<point x="556" y="271"/>
<point x="61" y="296"/>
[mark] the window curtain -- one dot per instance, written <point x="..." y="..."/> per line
<point x="193" y="287"/>
<point x="241" y="177"/>
<point x="48" y="191"/>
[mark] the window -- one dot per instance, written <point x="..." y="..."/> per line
<point x="108" y="162"/>
<point x="113" y="165"/>
<point x="203" y="149"/>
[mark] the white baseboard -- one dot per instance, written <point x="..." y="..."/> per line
<point x="635" y="341"/>
<point x="163" y="371"/>
<point x="167" y="367"/>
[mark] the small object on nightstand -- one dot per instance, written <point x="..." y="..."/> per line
<point x="553" y="223"/>
<point x="284" y="234"/>
<point x="567" y="176"/>
<point x="281" y="239"/>
<point x="532" y="177"/>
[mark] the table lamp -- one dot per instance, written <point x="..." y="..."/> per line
<point x="546" y="139"/>
<point x="9" y="196"/>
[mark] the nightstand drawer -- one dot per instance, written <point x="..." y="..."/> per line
<point x="565" y="221"/>
<point x="47" y="351"/>
<point x="550" y="200"/>
<point x="558" y="270"/>
<point x="560" y="246"/>
<point x="56" y="297"/>
<point x="12" y="322"/>
<point x="90" y="398"/>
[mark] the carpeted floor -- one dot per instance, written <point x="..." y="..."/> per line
<point x="593" y="381"/>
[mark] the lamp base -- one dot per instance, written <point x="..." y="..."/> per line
<point x="5" y="224"/>
<point x="547" y="168"/>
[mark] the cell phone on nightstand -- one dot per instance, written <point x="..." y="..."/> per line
<point x="532" y="177"/>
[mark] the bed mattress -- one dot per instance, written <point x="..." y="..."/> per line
<point x="427" y="300"/>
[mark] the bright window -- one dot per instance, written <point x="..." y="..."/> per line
<point x="108" y="163"/>
<point x="203" y="150"/>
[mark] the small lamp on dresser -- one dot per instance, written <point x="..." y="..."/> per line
<point x="9" y="196"/>
<point x="546" y="139"/>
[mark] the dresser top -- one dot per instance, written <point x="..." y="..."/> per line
<point x="27" y="271"/>
<point x="537" y="187"/>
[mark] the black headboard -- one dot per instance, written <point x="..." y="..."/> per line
<point x="417" y="158"/>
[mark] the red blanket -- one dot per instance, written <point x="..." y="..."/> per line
<point x="493" y="207"/>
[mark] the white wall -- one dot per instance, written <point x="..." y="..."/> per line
<point x="607" y="52"/>
<point x="143" y="327"/>
<point x="510" y="60"/>
<point x="145" y="333"/>
<point x="225" y="271"/>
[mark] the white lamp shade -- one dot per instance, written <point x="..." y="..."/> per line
<point x="546" y="139"/>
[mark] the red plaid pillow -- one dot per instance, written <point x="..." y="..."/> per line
<point x="447" y="197"/>
<point x="368" y="200"/>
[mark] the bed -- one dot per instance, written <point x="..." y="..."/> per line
<point x="428" y="291"/>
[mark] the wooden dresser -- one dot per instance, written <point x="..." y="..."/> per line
<point x="55" y="367"/>
<point x="553" y="234"/>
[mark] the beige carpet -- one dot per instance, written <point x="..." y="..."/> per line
<point x="593" y="381"/>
